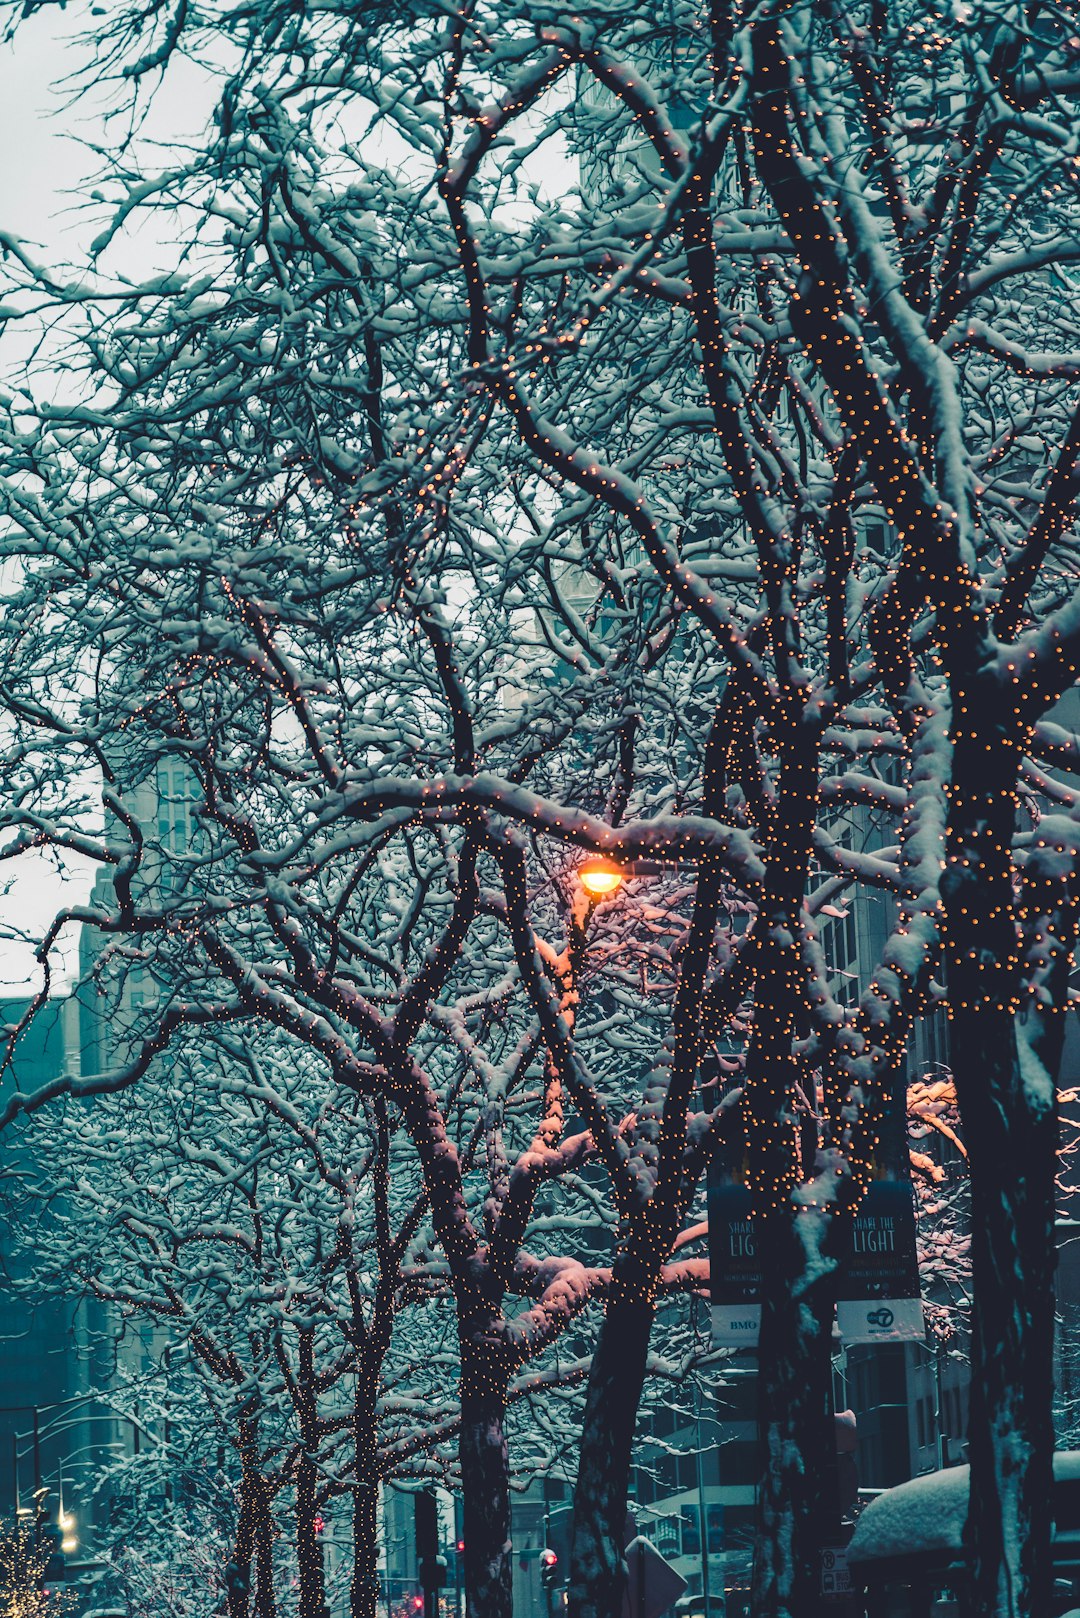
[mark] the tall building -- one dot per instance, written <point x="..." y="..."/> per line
<point x="52" y="1432"/>
<point x="111" y="992"/>
<point x="57" y="1356"/>
<point x="694" y="1490"/>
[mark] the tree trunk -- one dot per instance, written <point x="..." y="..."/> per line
<point x="254" y="1533"/>
<point x="364" y="1589"/>
<point x="1008" y="1104"/>
<point x="798" y="1508"/>
<point x="1012" y="1148"/>
<point x="485" y="1481"/>
<point x="238" y="1572"/>
<point x="597" y="1569"/>
<point x="309" y="1552"/>
<point x="265" y="1601"/>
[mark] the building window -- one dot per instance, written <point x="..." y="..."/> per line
<point x="667" y="1536"/>
<point x="691" y="1533"/>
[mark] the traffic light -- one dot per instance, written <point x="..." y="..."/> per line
<point x="549" y="1568"/>
<point x="433" y="1573"/>
<point x="51" y="1540"/>
<point x="426" y="1525"/>
<point x="431" y="1567"/>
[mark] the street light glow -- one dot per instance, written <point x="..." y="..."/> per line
<point x="600" y="877"/>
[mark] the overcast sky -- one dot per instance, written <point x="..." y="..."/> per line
<point x="42" y="136"/>
<point x="45" y="198"/>
<point x="40" y="162"/>
<point x="42" y="157"/>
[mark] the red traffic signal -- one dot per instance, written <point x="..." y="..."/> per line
<point x="549" y="1567"/>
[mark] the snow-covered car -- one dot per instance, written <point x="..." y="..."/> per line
<point x="907" y="1552"/>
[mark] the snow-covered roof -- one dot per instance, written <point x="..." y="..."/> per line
<point x="927" y="1514"/>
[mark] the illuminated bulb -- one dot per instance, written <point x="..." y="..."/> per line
<point x="601" y="877"/>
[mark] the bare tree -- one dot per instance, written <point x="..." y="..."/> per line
<point x="257" y="1235"/>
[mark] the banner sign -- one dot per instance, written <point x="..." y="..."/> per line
<point x="734" y="1268"/>
<point x="879" y="1274"/>
<point x="878" y="1278"/>
<point x="875" y="1321"/>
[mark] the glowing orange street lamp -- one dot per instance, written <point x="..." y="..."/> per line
<point x="600" y="878"/>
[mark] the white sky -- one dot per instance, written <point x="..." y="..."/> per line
<point x="41" y="158"/>
<point x="41" y="161"/>
<point x="45" y="162"/>
<point x="45" y="199"/>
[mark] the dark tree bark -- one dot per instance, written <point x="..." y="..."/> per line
<point x="797" y="1498"/>
<point x="796" y="1295"/>
<point x="309" y="1554"/>
<point x="486" y="1368"/>
<point x="1010" y="1434"/>
<point x="485" y="1480"/>
<point x="265" y="1599"/>
<point x="364" y="1587"/>
<point x="252" y="1587"/>
<point x="311" y="1590"/>
<point x="1007" y="984"/>
<point x="616" y="1378"/>
<point x="239" y="1572"/>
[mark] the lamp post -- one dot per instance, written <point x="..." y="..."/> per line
<point x="554" y="1580"/>
<point x="602" y="877"/>
<point x="66" y="1527"/>
<point x="18" y="1410"/>
<point x="703" y="1527"/>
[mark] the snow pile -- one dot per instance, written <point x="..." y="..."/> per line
<point x="927" y="1514"/>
